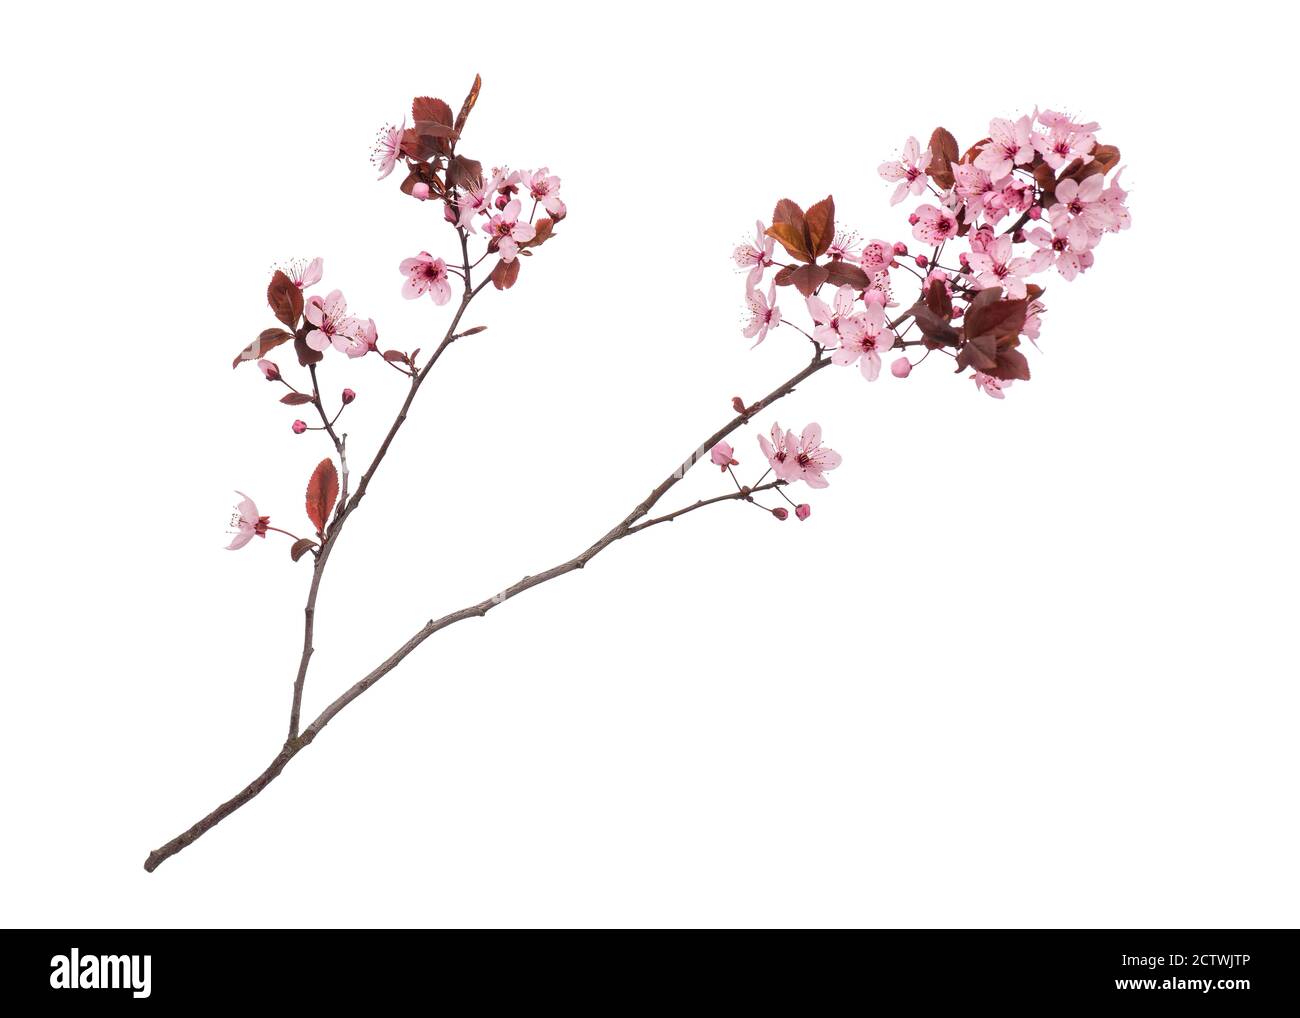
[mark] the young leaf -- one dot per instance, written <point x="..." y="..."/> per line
<point x="464" y="173"/>
<point x="322" y="492"/>
<point x="295" y="398"/>
<point x="937" y="299"/>
<point x="505" y="274"/>
<point x="790" y="229"/>
<point x="468" y="104"/>
<point x="301" y="547"/>
<point x="943" y="153"/>
<point x="819" y="221"/>
<point x="842" y="273"/>
<point x="258" y="348"/>
<point x="306" y="355"/>
<point x="806" y="278"/>
<point x="285" y="299"/>
<point x="433" y="111"/>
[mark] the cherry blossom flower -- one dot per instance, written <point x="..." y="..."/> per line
<point x="368" y="337"/>
<point x="843" y="247"/>
<point x="506" y="230"/>
<point x="876" y="256"/>
<point x="808" y="459"/>
<point x="879" y="290"/>
<point x="779" y="458"/>
<point x="426" y="274"/>
<point x="874" y="339"/>
<point x="1088" y="214"/>
<point x="990" y="385"/>
<point x="246" y="522"/>
<point x="270" y="369"/>
<point x="901" y="368"/>
<point x="544" y="188"/>
<point x="972" y="185"/>
<point x="475" y="200"/>
<point x="1061" y="251"/>
<point x="388" y="148"/>
<point x="723" y="456"/>
<point x="764" y="314"/>
<point x="1113" y="199"/>
<point x="756" y="256"/>
<point x="934" y="225"/>
<point x="1010" y="145"/>
<point x="910" y="172"/>
<point x="838" y="324"/>
<point x="996" y="267"/>
<point x="1064" y="141"/>
<point x="1033" y="321"/>
<point x="803" y="510"/>
<point x="333" y="324"/>
<point x="304" y="273"/>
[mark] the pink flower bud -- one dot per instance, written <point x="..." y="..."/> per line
<point x="922" y="260"/>
<point x="900" y="248"/>
<point x="420" y="191"/>
<point x="1035" y="213"/>
<point x="781" y="513"/>
<point x="348" y="396"/>
<point x="901" y="368"/>
<point x="803" y="510"/>
<point x="913" y="219"/>
<point x="270" y="370"/>
<point x="299" y="427"/>
<point x="502" y="201"/>
<point x="448" y="214"/>
<point x="1018" y="237"/>
<point x="957" y="312"/>
<point x="964" y="259"/>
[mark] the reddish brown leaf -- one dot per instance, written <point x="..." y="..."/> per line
<point x="306" y="355"/>
<point x="505" y="274"/>
<point x="301" y="547"/>
<point x="464" y="173"/>
<point x="322" y="493"/>
<point x="997" y="318"/>
<point x="819" y="222"/>
<point x="544" y="229"/>
<point x="969" y="155"/>
<point x="738" y="404"/>
<point x="295" y="398"/>
<point x="806" y="278"/>
<point x="285" y="299"/>
<point x="943" y="153"/>
<point x="842" y="273"/>
<point x="785" y="276"/>
<point x="429" y="110"/>
<point x="468" y="104"/>
<point x="396" y="356"/>
<point x="433" y="129"/>
<point x="936" y="330"/>
<point x="1011" y="364"/>
<point x="258" y="348"/>
<point x="938" y="300"/>
<point x="791" y="238"/>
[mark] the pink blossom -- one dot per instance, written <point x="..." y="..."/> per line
<point x="475" y="200"/>
<point x="1113" y="199"/>
<point x="996" y="267"/>
<point x="724" y="456"/>
<point x="901" y="368"/>
<point x="756" y="257"/>
<point x="1064" y="141"/>
<point x="876" y="256"/>
<point x="843" y="247"/>
<point x="808" y="458"/>
<point x="779" y="458"/>
<point x="506" y="230"/>
<point x="1033" y="321"/>
<point x="270" y="369"/>
<point x="764" y="314"/>
<point x="839" y="324"/>
<point x="1088" y="214"/>
<point x="973" y="186"/>
<point x="368" y="337"/>
<point x="879" y="291"/>
<point x="867" y="345"/>
<point x="910" y="172"/>
<point x="803" y="510"/>
<point x="304" y="273"/>
<point x="781" y="513"/>
<point x="388" y="148"/>
<point x="333" y="324"/>
<point x="426" y="274"/>
<point x="246" y="523"/>
<point x="1010" y="145"/>
<point x="544" y="188"/>
<point x="934" y="225"/>
<point x="1060" y="250"/>
<point x="990" y="385"/>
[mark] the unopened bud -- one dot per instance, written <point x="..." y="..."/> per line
<point x="957" y="312"/>
<point x="964" y="259"/>
<point x="1035" y="213"/>
<point x="803" y="510"/>
<point x="299" y="427"/>
<point x="781" y="513"/>
<point x="900" y="248"/>
<point x="1018" y="237"/>
<point x="420" y="191"/>
<point x="913" y="219"/>
<point x="270" y="370"/>
<point x="348" y="396"/>
<point x="502" y="201"/>
<point x="901" y="368"/>
<point x="922" y="260"/>
<point x="448" y="214"/>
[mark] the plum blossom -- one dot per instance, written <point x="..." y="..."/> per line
<point x="867" y="345"/>
<point x="388" y="148"/>
<point x="764" y="314"/>
<point x="246" y="523"/>
<point x="475" y="200"/>
<point x="779" y="458"/>
<point x="803" y="510"/>
<point x="808" y="459"/>
<point x="876" y="256"/>
<point x="996" y="267"/>
<point x="1113" y="199"/>
<point x="545" y="189"/>
<point x="839" y="324"/>
<point x="1064" y="141"/>
<point x="303" y="273"/>
<point x="723" y="455"/>
<point x="910" y="172"/>
<point x="1081" y="201"/>
<point x="879" y="291"/>
<point x="269" y="369"/>
<point x="990" y="385"/>
<point x="973" y="186"/>
<point x="508" y="233"/>
<point x="426" y="274"/>
<point x="1060" y="250"/>
<point x="756" y="256"/>
<point x="934" y="225"/>
<point x="333" y="324"/>
<point x="1010" y="145"/>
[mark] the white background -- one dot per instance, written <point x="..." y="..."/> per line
<point x="1029" y="663"/>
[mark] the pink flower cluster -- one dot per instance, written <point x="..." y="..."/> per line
<point x="492" y="205"/>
